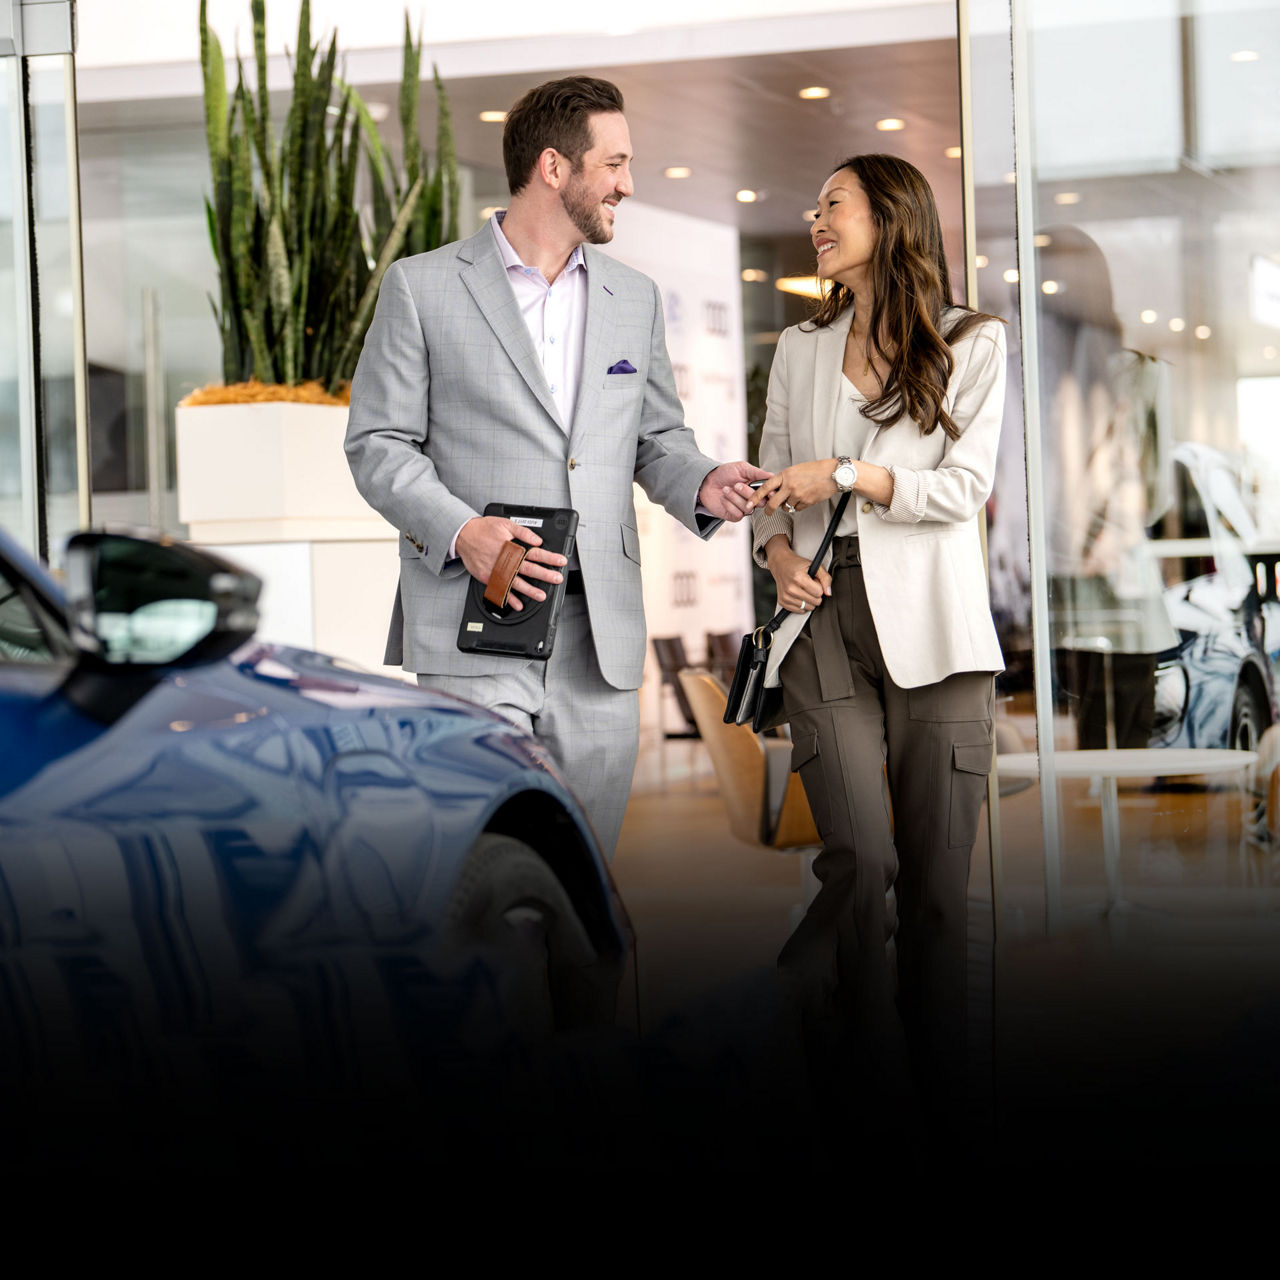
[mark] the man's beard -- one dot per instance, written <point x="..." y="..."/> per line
<point x="585" y="213"/>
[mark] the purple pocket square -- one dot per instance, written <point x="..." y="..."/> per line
<point x="623" y="366"/>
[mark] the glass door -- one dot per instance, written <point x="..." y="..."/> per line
<point x="44" y="453"/>
<point x="1126" y="167"/>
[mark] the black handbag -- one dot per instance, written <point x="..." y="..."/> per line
<point x="748" y="697"/>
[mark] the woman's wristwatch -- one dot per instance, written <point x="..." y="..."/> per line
<point x="845" y="475"/>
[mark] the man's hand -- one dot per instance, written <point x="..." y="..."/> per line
<point x="727" y="492"/>
<point x="482" y="537"/>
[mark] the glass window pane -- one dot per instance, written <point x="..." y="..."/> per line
<point x="55" y="226"/>
<point x="1156" y="276"/>
<point x="17" y="463"/>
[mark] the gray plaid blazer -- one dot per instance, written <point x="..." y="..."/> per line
<point x="450" y="410"/>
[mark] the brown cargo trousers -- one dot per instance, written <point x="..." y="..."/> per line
<point x="896" y="779"/>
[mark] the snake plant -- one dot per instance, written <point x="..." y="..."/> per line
<point x="298" y="270"/>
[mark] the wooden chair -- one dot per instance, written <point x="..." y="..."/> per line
<point x="765" y="801"/>
<point x="669" y="651"/>
<point x="722" y="654"/>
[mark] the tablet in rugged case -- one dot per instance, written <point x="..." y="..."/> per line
<point x="530" y="632"/>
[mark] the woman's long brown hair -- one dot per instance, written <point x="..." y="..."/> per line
<point x="912" y="288"/>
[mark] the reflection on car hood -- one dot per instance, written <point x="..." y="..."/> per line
<point x="338" y="683"/>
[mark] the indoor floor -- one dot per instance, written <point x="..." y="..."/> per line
<point x="1148" y="1035"/>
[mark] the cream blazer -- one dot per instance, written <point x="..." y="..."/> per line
<point x="922" y="554"/>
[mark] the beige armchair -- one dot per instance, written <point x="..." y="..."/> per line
<point x="765" y="801"/>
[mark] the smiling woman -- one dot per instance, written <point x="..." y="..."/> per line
<point x="886" y="663"/>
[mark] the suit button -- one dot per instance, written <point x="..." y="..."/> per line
<point x="572" y="463"/>
<point x="866" y="508"/>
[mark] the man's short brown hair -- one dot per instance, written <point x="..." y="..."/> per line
<point x="556" y="114"/>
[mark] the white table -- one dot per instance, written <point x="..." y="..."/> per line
<point x="1128" y="762"/>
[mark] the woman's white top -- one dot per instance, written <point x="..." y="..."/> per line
<point x="852" y="432"/>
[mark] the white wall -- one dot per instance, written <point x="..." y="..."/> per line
<point x="691" y="586"/>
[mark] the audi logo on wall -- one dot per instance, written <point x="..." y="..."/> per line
<point x="684" y="380"/>
<point x="684" y="589"/>
<point x="715" y="318"/>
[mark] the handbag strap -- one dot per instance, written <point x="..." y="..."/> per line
<point x="776" y="621"/>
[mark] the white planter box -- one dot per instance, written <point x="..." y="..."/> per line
<point x="269" y="473"/>
<point x="268" y="485"/>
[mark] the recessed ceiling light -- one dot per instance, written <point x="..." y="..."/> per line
<point x="1203" y="331"/>
<point x="488" y="211"/>
<point x="678" y="171"/>
<point x="1011" y="177"/>
<point x="1268" y="353"/>
<point x="378" y="111"/>
<point x="1011" y="276"/>
<point x="747" y="196"/>
<point x="1148" y="316"/>
<point x="981" y="260"/>
<point x="890" y="124"/>
<point x="953" y="153"/>
<point x="1042" y="241"/>
<point x="811" y="215"/>
<point x="493" y="117"/>
<point x="1177" y="324"/>
<point x="803" y="286"/>
<point x="1067" y="197"/>
<point x="1245" y="55"/>
<point x="815" y="91"/>
<point x="754" y="275"/>
<point x="1049" y="286"/>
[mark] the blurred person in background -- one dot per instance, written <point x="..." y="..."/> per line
<point x="1105" y="420"/>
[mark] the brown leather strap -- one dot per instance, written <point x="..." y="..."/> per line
<point x="505" y="568"/>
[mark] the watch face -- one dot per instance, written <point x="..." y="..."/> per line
<point x="845" y="476"/>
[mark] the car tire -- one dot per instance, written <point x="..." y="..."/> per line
<point x="1248" y="720"/>
<point x="537" y="1070"/>
<point x="512" y="917"/>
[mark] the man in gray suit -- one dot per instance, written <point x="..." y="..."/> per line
<point x="523" y="366"/>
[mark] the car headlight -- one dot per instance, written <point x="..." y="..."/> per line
<point x="1172" y="690"/>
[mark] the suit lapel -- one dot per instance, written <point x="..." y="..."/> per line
<point x="486" y="280"/>
<point x="597" y="340"/>
<point x="828" y="365"/>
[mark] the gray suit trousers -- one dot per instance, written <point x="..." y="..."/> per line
<point x="896" y="780"/>
<point x="591" y="729"/>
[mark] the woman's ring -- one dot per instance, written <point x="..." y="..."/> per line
<point x="786" y="506"/>
<point x="804" y="604"/>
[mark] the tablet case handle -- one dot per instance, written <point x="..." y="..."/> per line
<point x="503" y="574"/>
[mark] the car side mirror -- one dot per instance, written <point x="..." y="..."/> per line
<point x="155" y="601"/>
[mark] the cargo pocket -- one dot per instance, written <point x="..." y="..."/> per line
<point x="806" y="760"/>
<point x="970" y="765"/>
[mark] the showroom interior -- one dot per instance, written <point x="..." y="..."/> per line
<point x="1108" y="174"/>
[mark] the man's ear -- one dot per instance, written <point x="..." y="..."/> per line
<point x="552" y="168"/>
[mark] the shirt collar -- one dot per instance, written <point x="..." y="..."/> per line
<point x="510" y="258"/>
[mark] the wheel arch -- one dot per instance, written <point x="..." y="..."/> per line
<point x="539" y="820"/>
